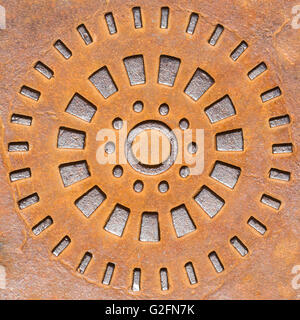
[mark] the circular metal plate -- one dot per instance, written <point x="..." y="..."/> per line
<point x="180" y="235"/>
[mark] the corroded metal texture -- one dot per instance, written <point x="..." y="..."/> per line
<point x="76" y="229"/>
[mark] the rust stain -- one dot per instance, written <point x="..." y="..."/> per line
<point x="200" y="229"/>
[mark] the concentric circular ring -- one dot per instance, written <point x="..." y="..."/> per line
<point x="113" y="223"/>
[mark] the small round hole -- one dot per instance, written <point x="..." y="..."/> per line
<point x="138" y="186"/>
<point x="192" y="147"/>
<point x="117" y="123"/>
<point x="109" y="147"/>
<point x="118" y="171"/>
<point x="164" y="109"/>
<point x="184" y="124"/>
<point x="163" y="186"/>
<point x="138" y="106"/>
<point x="184" y="172"/>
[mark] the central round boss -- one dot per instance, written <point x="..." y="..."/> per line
<point x="149" y="169"/>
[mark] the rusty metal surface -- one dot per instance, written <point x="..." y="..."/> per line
<point x="248" y="191"/>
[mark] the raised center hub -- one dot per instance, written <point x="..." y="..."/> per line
<point x="151" y="147"/>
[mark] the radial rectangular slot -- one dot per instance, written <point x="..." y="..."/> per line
<point x="270" y="94"/>
<point x="137" y="17"/>
<point x="256" y="71"/>
<point x="230" y="140"/>
<point x="182" y="222"/>
<point x="20" y="174"/>
<point x="189" y="268"/>
<point x="18" y="146"/>
<point x="86" y="259"/>
<point x="108" y="273"/>
<point x="199" y="84"/>
<point x="136" y="280"/>
<point x="279" y="175"/>
<point x="164" y="282"/>
<point x="239" y="246"/>
<point x="216" y="262"/>
<point x="81" y="108"/>
<point x="41" y="226"/>
<point x="168" y="69"/>
<point x="30" y="93"/>
<point x="117" y="220"/>
<point x="70" y="139"/>
<point x="150" y="227"/>
<point x="135" y="69"/>
<point x="85" y="35"/>
<point x="110" y="21"/>
<point x="279" y="121"/>
<point x="192" y="23"/>
<point x="216" y="35"/>
<point x="104" y="82"/>
<point x="221" y="109"/>
<point x="63" y="49"/>
<point x="282" y="148"/>
<point x="90" y="201"/>
<point x="28" y="201"/>
<point x="238" y="51"/>
<point x="164" y="17"/>
<point x="73" y="172"/>
<point x="44" y="70"/>
<point x="270" y="201"/>
<point x="21" y="119"/>
<point x="256" y="225"/>
<point x="62" y="245"/>
<point x="226" y="173"/>
<point x="209" y="201"/>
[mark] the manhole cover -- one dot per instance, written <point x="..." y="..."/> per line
<point x="86" y="113"/>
